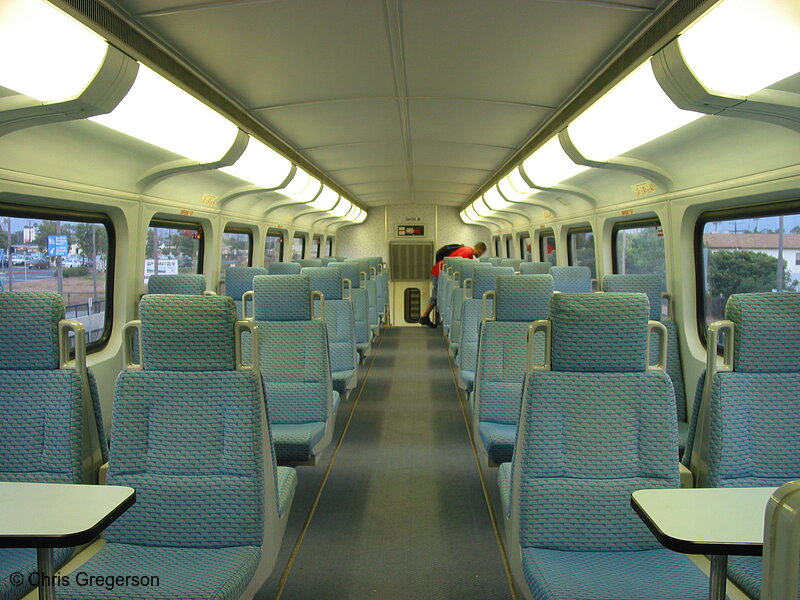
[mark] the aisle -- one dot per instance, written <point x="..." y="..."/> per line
<point x="402" y="515"/>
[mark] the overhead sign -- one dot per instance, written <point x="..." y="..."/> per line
<point x="166" y="266"/>
<point x="57" y="245"/>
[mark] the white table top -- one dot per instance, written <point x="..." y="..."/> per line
<point x="58" y="515"/>
<point x="706" y="520"/>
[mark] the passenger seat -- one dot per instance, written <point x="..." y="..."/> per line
<point x="239" y="280"/>
<point x="283" y="268"/>
<point x="595" y="426"/>
<point x="192" y="438"/>
<point x="183" y="283"/>
<point x="360" y="298"/>
<point x="535" y="268"/>
<point x="572" y="280"/>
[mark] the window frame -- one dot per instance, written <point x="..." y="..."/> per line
<point x="316" y="238"/>
<point x="726" y="214"/>
<point x="329" y="241"/>
<point x="633" y="224"/>
<point x="545" y="233"/>
<point x="509" y="243"/>
<point x="300" y="236"/>
<point x="524" y="240"/>
<point x="570" y="255"/>
<point x="60" y="214"/>
<point x="282" y="244"/>
<point x="250" y="243"/>
<point x="170" y="224"/>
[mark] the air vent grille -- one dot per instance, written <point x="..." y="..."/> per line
<point x="411" y="262"/>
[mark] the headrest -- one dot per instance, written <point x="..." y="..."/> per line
<point x="348" y="271"/>
<point x="187" y="333"/>
<point x="599" y="332"/>
<point x="523" y="297"/>
<point x="511" y="262"/>
<point x="486" y="277"/>
<point x="309" y="262"/>
<point x="176" y="284"/>
<point x="363" y="265"/>
<point x="327" y="281"/>
<point x="495" y="261"/>
<point x="572" y="280"/>
<point x="483" y="259"/>
<point x="239" y="280"/>
<point x="652" y="285"/>
<point x="535" y="268"/>
<point x="328" y="260"/>
<point x="29" y="330"/>
<point x="450" y="261"/>
<point x="467" y="270"/>
<point x="766" y="331"/>
<point x="282" y="298"/>
<point x="283" y="268"/>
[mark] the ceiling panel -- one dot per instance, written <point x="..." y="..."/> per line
<point x="468" y="156"/>
<point x="342" y="156"/>
<point x="529" y="51"/>
<point x="465" y="122"/>
<point x="446" y="173"/>
<point x="324" y="123"/>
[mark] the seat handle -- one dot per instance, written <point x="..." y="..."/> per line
<point x="539" y="326"/>
<point x="254" y="330"/>
<point x="661" y="360"/>
<point x="128" y="333"/>
<point x="317" y="295"/>
<point x="347" y="286"/>
<point x="65" y="327"/>
<point x="248" y="296"/>
<point x="485" y="305"/>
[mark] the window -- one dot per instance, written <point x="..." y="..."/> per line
<point x="580" y="249"/>
<point x="744" y="251"/>
<point x="497" y="246"/>
<point x="273" y="250"/>
<point x="237" y="248"/>
<point x="525" y="247"/>
<point x="68" y="253"/>
<point x="316" y="246"/>
<point x="638" y="248"/>
<point x="509" y="246"/>
<point x="298" y="247"/>
<point x="329" y="247"/>
<point x="547" y="247"/>
<point x="173" y="248"/>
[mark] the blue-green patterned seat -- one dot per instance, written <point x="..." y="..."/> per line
<point x="183" y="283"/>
<point x="309" y="262"/>
<point x="360" y="299"/>
<point x="535" y="268"/>
<point x="572" y="280"/>
<point x="594" y="428"/>
<point x="239" y="280"/>
<point x="283" y="268"/>
<point x="191" y="436"/>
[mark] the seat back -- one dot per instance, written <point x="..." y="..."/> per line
<point x="283" y="268"/>
<point x="359" y="297"/>
<point x="328" y="260"/>
<point x="535" y="268"/>
<point x="459" y="292"/>
<point x="239" y="280"/>
<point x="511" y="262"/>
<point x="309" y="262"/>
<point x="294" y="360"/>
<point x="502" y="349"/>
<point x="52" y="428"/>
<point x="572" y="280"/>
<point x="751" y="412"/>
<point x="654" y="287"/>
<point x="190" y="432"/>
<point x="176" y="284"/>
<point x="596" y="424"/>
<point x="495" y="261"/>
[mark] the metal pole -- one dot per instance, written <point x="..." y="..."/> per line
<point x="8" y="255"/>
<point x="44" y="561"/>
<point x="779" y="275"/>
<point x="718" y="578"/>
<point x="59" y="270"/>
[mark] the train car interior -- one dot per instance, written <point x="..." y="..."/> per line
<point x="399" y="299"/>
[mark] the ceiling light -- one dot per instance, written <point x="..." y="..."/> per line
<point x="509" y="191"/>
<point x="470" y="213"/>
<point x="360" y="218"/>
<point x="550" y="165"/>
<point x="494" y="199"/>
<point x="742" y="46"/>
<point x="160" y="113"/>
<point x="352" y="213"/>
<point x="326" y="200"/>
<point x="260" y="165"/>
<point x="481" y="209"/>
<point x="47" y="55"/>
<point x="341" y="208"/>
<point x="464" y="217"/>
<point x="633" y="112"/>
<point x="302" y="188"/>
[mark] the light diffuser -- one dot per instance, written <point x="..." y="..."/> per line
<point x="326" y="200"/>
<point x="494" y="199"/>
<point x="550" y="165"/>
<point x="342" y="208"/>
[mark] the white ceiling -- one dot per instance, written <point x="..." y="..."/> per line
<point x="397" y="100"/>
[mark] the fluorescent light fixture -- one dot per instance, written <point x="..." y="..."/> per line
<point x="160" y="113"/>
<point x="465" y="218"/>
<point x="471" y="215"/>
<point x="512" y="193"/>
<point x="352" y="213"/>
<point x="341" y="208"/>
<point x="260" y="165"/>
<point x="480" y="208"/>
<point x="550" y="165"/>
<point x="633" y="112"/>
<point x="326" y="200"/>
<point x="361" y="217"/>
<point x="518" y="183"/>
<point x="302" y="188"/>
<point x="47" y="55"/>
<point x="494" y="199"/>
<point x="742" y="46"/>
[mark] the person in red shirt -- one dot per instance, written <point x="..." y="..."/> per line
<point x="475" y="251"/>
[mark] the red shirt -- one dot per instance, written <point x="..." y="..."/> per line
<point x="464" y="252"/>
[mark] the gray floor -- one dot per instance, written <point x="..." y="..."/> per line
<point x="402" y="513"/>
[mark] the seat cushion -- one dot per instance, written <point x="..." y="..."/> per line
<point x="197" y="573"/>
<point x="467" y="379"/>
<point x="341" y="379"/>
<point x="286" y="484"/>
<point x="644" y="575"/>
<point x="23" y="560"/>
<point x="745" y="572"/>
<point x="294" y="441"/>
<point x="504" y="483"/>
<point x="498" y="440"/>
<point x="336" y="399"/>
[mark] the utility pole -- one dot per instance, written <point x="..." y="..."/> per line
<point x="779" y="277"/>
<point x="8" y="255"/>
<point x="59" y="270"/>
